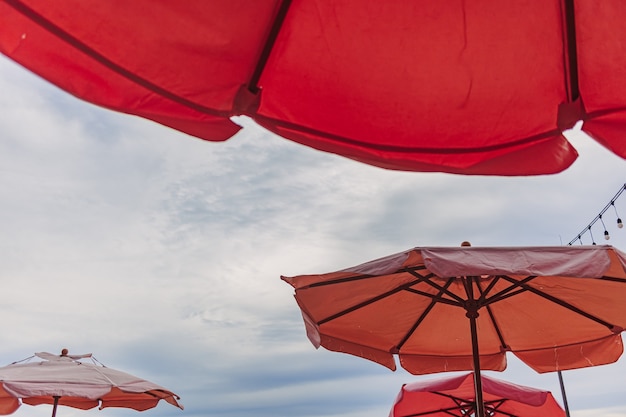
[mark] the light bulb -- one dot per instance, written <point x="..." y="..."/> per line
<point x="619" y="223"/>
<point x="606" y="235"/>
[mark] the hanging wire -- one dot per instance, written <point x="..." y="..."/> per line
<point x="593" y="241"/>
<point x="587" y="228"/>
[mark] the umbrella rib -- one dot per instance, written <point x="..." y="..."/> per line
<point x="562" y="303"/>
<point x="106" y="62"/>
<point x="492" y="317"/>
<point x="368" y="276"/>
<point x="461" y="402"/>
<point x="370" y="301"/>
<point x="462" y="405"/>
<point x="494" y="407"/>
<point x="443" y="290"/>
<point x="507" y="292"/>
<point x="447" y="410"/>
<point x="483" y="298"/>
<point x="492" y="284"/>
<point x="422" y="316"/>
<point x="253" y="84"/>
<point x="570" y="48"/>
<point x="436" y="298"/>
<point x="612" y="279"/>
<point x="502" y="295"/>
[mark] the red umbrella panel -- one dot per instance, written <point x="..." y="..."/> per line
<point x="65" y="380"/>
<point x="455" y="396"/>
<point x="483" y="87"/>
<point x="454" y="309"/>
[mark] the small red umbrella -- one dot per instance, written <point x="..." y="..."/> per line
<point x="455" y="396"/>
<point x="481" y="87"/>
<point x="65" y="380"/>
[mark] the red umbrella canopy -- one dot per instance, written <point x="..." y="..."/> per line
<point x="454" y="396"/>
<point x="453" y="309"/>
<point x="481" y="87"/>
<point x="64" y="380"/>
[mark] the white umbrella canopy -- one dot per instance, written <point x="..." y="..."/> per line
<point x="65" y="380"/>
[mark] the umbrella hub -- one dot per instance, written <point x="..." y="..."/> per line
<point x="471" y="309"/>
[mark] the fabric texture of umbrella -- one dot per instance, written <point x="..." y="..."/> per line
<point x="454" y="396"/>
<point x="482" y="87"/>
<point x="64" y="380"/>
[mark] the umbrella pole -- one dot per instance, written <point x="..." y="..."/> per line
<point x="471" y="312"/>
<point x="54" y="405"/>
<point x="478" y="383"/>
<point x="563" y="393"/>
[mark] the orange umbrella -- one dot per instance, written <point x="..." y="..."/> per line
<point x="450" y="309"/>
<point x="65" y="380"/>
<point x="455" y="396"/>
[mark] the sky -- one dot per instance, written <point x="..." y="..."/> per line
<point x="161" y="254"/>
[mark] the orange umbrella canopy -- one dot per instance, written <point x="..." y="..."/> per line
<point x="441" y="309"/>
<point x="454" y="396"/>
<point x="482" y="87"/>
<point x="65" y="380"/>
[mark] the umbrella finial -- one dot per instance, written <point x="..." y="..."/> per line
<point x="465" y="243"/>
<point x="64" y="352"/>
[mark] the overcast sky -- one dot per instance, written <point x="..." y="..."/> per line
<point x="161" y="254"/>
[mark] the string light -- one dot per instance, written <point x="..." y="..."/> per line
<point x="606" y="232"/>
<point x="619" y="220"/>
<point x="587" y="228"/>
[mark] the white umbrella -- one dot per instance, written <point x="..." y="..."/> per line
<point x="64" y="380"/>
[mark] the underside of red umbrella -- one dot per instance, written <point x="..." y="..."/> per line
<point x="455" y="396"/>
<point x="462" y="87"/>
